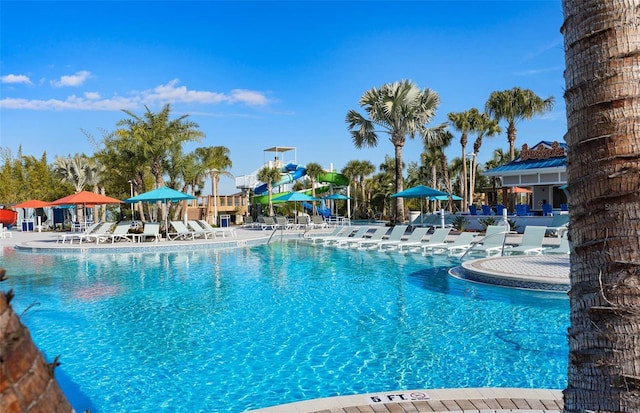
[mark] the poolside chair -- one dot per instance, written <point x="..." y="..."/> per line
<point x="224" y="231"/>
<point x="101" y="230"/>
<point x="532" y="239"/>
<point x="332" y="235"/>
<point x="547" y="209"/>
<point x="377" y="236"/>
<point x="62" y="238"/>
<point x="249" y="222"/>
<point x="473" y="210"/>
<point x="492" y="242"/>
<point x="358" y="235"/>
<point x="283" y="223"/>
<point x="563" y="248"/>
<point x="199" y="230"/>
<point x="500" y="209"/>
<point x="181" y="232"/>
<point x="414" y="238"/>
<point x="318" y="222"/>
<point x="267" y="223"/>
<point x="486" y="210"/>
<point x="395" y="236"/>
<point x="463" y="242"/>
<point x="151" y="230"/>
<point x="437" y="238"/>
<point x="559" y="225"/>
<point x="119" y="233"/>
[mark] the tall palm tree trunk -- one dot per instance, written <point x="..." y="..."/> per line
<point x="602" y="52"/>
<point x="399" y="184"/>
<point x="27" y="381"/>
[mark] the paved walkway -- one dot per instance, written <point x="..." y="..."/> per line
<point x="528" y="268"/>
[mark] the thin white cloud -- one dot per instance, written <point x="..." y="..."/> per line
<point x="77" y="79"/>
<point x="170" y="93"/>
<point x="16" y="79"/>
<point x="248" y="97"/>
<point x="532" y="72"/>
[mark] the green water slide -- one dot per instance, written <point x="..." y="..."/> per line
<point x="333" y="178"/>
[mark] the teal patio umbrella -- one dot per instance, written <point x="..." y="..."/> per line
<point x="163" y="195"/>
<point x="421" y="192"/>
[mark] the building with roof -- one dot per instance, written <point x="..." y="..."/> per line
<point x="542" y="168"/>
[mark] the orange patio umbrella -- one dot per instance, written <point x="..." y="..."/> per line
<point x="85" y="198"/>
<point x="32" y="203"/>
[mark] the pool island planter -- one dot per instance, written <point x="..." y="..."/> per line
<point x="473" y="271"/>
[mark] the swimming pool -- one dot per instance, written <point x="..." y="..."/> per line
<point x="240" y="329"/>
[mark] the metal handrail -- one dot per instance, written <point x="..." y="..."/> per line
<point x="504" y="242"/>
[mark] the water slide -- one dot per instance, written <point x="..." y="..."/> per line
<point x="292" y="172"/>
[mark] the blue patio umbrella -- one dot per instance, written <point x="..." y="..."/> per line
<point x="164" y="195"/>
<point x="445" y="198"/>
<point x="295" y="197"/>
<point x="337" y="197"/>
<point x="421" y="192"/>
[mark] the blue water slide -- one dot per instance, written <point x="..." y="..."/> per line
<point x="290" y="172"/>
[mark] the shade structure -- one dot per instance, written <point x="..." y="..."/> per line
<point x="445" y="198"/>
<point x="32" y="203"/>
<point x="520" y="190"/>
<point x="295" y="197"/>
<point x="164" y="194"/>
<point x="422" y="192"/>
<point x="85" y="198"/>
<point x="337" y="197"/>
<point x="419" y="191"/>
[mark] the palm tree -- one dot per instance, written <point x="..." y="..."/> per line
<point x="485" y="126"/>
<point x="216" y="162"/>
<point x="313" y="171"/>
<point x="402" y="110"/>
<point x="75" y="171"/>
<point x="445" y="138"/>
<point x="601" y="95"/>
<point x="269" y="175"/>
<point x="514" y="105"/>
<point x="155" y="135"/>
<point x="465" y="123"/>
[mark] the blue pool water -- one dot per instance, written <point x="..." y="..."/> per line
<point x="235" y="330"/>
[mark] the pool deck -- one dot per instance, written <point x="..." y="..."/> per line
<point x="482" y="400"/>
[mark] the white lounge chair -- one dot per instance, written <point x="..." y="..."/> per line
<point x="563" y="248"/>
<point x="224" y="231"/>
<point x="415" y="238"/>
<point x="377" y="236"/>
<point x="395" y="236"/>
<point x="101" y="231"/>
<point x="492" y="242"/>
<point x="267" y="223"/>
<point x="531" y="243"/>
<point x="70" y="236"/>
<point x="119" y="233"/>
<point x="463" y="242"/>
<point x="197" y="227"/>
<point x="151" y="230"/>
<point x="182" y="232"/>
<point x="437" y="238"/>
<point x="358" y="235"/>
<point x="336" y="232"/>
<point x="318" y="222"/>
<point x="559" y="225"/>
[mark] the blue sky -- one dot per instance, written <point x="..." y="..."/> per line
<point x="259" y="74"/>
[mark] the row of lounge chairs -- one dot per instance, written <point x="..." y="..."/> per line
<point x="364" y="237"/>
<point x="279" y="222"/>
<point x="112" y="232"/>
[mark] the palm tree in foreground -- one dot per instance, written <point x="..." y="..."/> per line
<point x="402" y="110"/>
<point x="514" y="105"/>
<point x="603" y="103"/>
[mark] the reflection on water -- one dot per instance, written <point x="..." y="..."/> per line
<point x="237" y="329"/>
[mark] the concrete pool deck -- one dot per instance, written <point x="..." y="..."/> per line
<point x="483" y="400"/>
